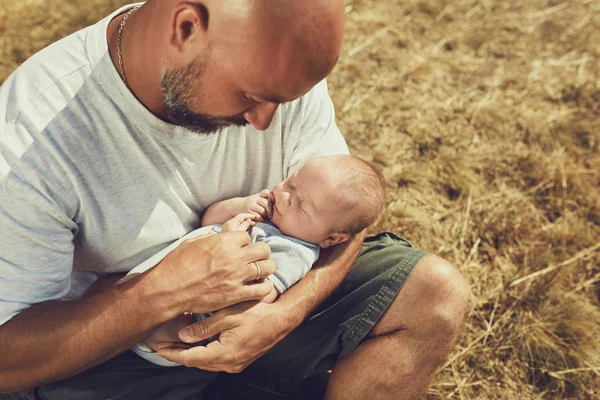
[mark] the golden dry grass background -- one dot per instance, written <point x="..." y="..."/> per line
<point x="485" y="118"/>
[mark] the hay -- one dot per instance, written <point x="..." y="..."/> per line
<point x="485" y="117"/>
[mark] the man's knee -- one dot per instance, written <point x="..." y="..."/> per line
<point x="433" y="301"/>
<point x="449" y="295"/>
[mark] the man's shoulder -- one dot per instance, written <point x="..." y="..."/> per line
<point x="48" y="78"/>
<point x="42" y="88"/>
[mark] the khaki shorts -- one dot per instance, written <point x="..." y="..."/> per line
<point x="334" y="329"/>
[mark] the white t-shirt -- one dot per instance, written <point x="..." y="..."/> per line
<point x="92" y="183"/>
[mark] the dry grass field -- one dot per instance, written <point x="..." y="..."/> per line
<point x="485" y="118"/>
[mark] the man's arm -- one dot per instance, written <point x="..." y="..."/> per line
<point x="243" y="338"/>
<point x="55" y="339"/>
<point x="331" y="268"/>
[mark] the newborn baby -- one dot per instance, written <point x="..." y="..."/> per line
<point x="324" y="203"/>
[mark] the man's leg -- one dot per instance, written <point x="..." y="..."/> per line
<point x="380" y="344"/>
<point x="409" y="343"/>
<point x="130" y="377"/>
<point x="377" y="346"/>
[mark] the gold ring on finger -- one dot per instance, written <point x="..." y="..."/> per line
<point x="257" y="270"/>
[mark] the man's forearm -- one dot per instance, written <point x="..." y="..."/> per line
<point x="56" y="339"/>
<point x="331" y="268"/>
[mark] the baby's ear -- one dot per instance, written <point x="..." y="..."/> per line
<point x="333" y="239"/>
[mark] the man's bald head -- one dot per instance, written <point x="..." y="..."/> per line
<point x="311" y="29"/>
<point x="268" y="51"/>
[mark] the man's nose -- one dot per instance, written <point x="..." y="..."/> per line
<point x="261" y="115"/>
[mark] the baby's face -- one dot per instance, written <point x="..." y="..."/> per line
<point x="304" y="205"/>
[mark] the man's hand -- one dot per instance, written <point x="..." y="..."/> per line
<point x="211" y="272"/>
<point x="168" y="332"/>
<point x="247" y="331"/>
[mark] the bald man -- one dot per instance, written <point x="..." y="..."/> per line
<point x="112" y="143"/>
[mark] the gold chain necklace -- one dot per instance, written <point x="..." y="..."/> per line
<point x="119" y="52"/>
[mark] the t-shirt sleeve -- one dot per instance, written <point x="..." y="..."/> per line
<point x="36" y="248"/>
<point x="318" y="134"/>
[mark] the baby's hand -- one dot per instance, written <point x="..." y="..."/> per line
<point x="260" y="204"/>
<point x="240" y="222"/>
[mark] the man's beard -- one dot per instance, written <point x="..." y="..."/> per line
<point x="178" y="87"/>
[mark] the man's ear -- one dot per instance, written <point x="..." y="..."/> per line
<point x="189" y="26"/>
<point x="333" y="239"/>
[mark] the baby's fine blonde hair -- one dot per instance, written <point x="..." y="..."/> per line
<point x="362" y="192"/>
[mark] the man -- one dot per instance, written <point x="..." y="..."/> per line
<point x="112" y="143"/>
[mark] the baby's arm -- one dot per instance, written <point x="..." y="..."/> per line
<point x="293" y="259"/>
<point x="221" y="211"/>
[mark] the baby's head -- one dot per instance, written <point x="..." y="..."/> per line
<point x="329" y="200"/>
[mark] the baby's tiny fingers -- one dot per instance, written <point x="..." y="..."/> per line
<point x="255" y="215"/>
<point x="264" y="202"/>
<point x="265" y="193"/>
<point x="267" y="204"/>
<point x="247" y="223"/>
<point x="246" y="215"/>
<point x="258" y="209"/>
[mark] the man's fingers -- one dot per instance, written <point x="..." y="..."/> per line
<point x="182" y="356"/>
<point x="259" y="270"/>
<point x="255" y="251"/>
<point x="256" y="290"/>
<point x="238" y="238"/>
<point x="172" y="354"/>
<point x="200" y="237"/>
<point x="212" y="357"/>
<point x="175" y="345"/>
<point x="207" y="357"/>
<point x="205" y="328"/>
